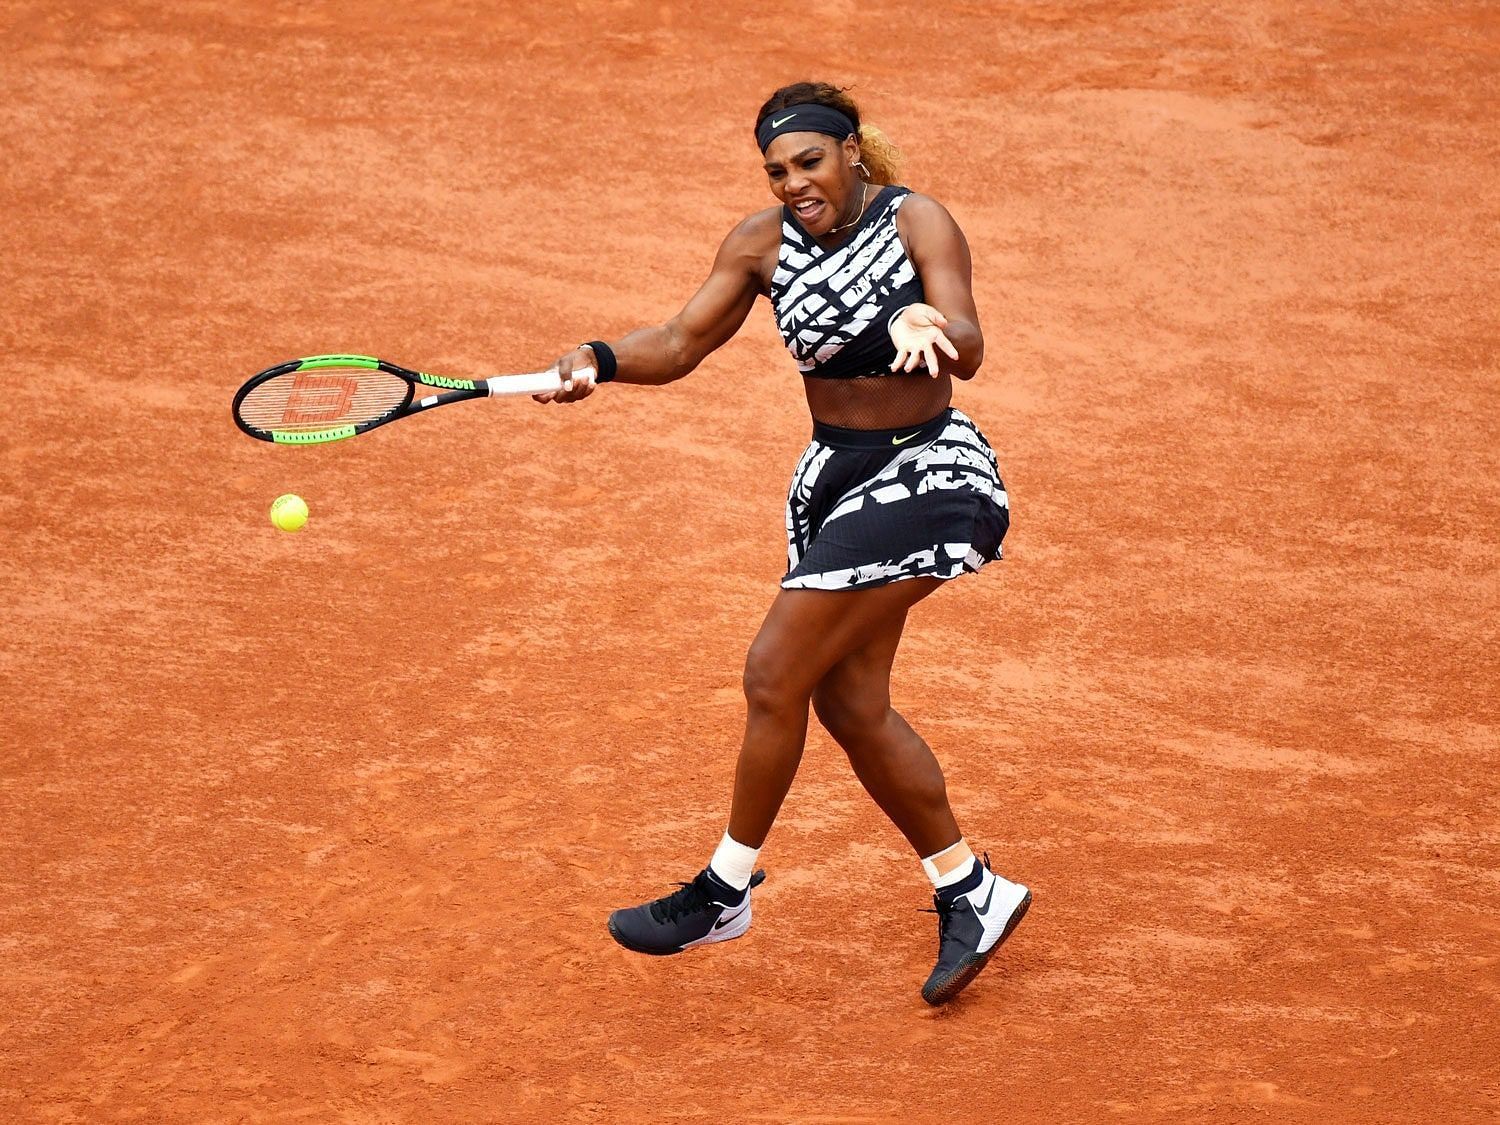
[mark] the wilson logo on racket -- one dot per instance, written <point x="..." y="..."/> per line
<point x="446" y="381"/>
<point x="318" y="398"/>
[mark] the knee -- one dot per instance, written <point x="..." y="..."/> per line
<point x="771" y="682"/>
<point x="853" y="717"/>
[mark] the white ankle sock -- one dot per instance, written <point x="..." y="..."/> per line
<point x="951" y="865"/>
<point x="734" y="862"/>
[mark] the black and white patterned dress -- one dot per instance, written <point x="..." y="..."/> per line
<point x="868" y="507"/>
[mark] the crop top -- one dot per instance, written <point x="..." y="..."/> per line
<point x="832" y="306"/>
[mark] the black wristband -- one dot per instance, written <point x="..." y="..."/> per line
<point x="605" y="355"/>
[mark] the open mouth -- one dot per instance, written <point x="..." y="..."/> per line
<point x="809" y="210"/>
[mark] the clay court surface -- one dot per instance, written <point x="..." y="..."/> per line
<point x="326" y="826"/>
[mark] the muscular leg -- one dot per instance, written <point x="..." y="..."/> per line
<point x="806" y="633"/>
<point x="892" y="762"/>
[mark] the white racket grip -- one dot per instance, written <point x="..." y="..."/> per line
<point x="536" y="383"/>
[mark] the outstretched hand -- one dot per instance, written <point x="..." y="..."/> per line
<point x="918" y="335"/>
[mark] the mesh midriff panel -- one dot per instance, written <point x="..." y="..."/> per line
<point x="881" y="402"/>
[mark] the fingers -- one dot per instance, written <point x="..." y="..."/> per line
<point x="923" y="351"/>
<point x="581" y="390"/>
<point x="918" y="336"/>
<point x="568" y="364"/>
<point x="574" y="389"/>
<point x="576" y="369"/>
<point x="909" y="353"/>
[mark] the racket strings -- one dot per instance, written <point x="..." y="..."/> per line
<point x="309" y="401"/>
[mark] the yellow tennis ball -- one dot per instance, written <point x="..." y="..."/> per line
<point x="289" y="512"/>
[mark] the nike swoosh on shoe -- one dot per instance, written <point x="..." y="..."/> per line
<point x="722" y="922"/>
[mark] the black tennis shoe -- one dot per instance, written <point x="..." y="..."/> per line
<point x="971" y="927"/>
<point x="702" y="912"/>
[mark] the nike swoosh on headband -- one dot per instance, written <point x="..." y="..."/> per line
<point x="904" y="440"/>
<point x="783" y="121"/>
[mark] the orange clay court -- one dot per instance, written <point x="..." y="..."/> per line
<point x="325" y="827"/>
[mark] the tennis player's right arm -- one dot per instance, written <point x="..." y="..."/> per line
<point x="666" y="352"/>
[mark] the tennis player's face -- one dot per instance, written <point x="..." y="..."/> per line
<point x="813" y="174"/>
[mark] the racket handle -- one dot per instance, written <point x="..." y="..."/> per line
<point x="537" y="383"/>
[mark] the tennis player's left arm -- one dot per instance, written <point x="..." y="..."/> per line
<point x="940" y="253"/>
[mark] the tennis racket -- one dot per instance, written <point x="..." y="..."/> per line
<point x="322" y="398"/>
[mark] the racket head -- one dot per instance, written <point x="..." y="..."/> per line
<point x="323" y="398"/>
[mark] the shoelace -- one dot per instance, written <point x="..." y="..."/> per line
<point x="692" y="898"/>
<point x="944" y="910"/>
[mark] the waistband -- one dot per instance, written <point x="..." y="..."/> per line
<point x="840" y="438"/>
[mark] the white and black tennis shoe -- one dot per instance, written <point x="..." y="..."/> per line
<point x="702" y="912"/>
<point x="971" y="926"/>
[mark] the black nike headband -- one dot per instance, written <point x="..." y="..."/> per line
<point x="807" y="117"/>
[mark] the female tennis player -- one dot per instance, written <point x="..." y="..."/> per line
<point x="897" y="493"/>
